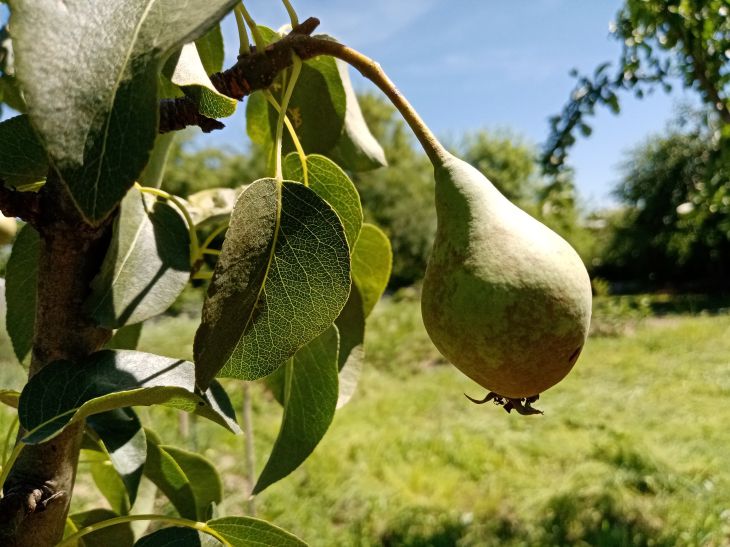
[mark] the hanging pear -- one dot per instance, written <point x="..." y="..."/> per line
<point x="505" y="299"/>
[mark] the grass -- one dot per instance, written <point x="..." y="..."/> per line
<point x="632" y="449"/>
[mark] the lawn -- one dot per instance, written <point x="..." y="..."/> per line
<point x="632" y="449"/>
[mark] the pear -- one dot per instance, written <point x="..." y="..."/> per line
<point x="505" y="299"/>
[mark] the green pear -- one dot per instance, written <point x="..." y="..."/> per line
<point x="505" y="299"/>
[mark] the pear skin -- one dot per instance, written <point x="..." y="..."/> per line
<point x="505" y="299"/>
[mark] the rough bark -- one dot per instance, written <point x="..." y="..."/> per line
<point x="38" y="491"/>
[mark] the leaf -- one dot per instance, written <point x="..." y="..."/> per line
<point x="280" y="281"/>
<point x="210" y="49"/>
<point x="154" y="171"/>
<point x="91" y="94"/>
<point x="107" y="479"/>
<point x="146" y="267"/>
<point x="9" y="397"/>
<point x="203" y="477"/>
<point x="22" y="158"/>
<point x="21" y="278"/>
<point x="111" y="379"/>
<point x="247" y="531"/>
<point x="331" y="184"/>
<point x="118" y="536"/>
<point x="372" y="261"/>
<point x="125" y="338"/>
<point x="212" y="207"/>
<point x="356" y="149"/>
<point x="174" y="536"/>
<point x="316" y="109"/>
<point x="310" y="398"/>
<point x="162" y="469"/>
<point x="351" y="325"/>
<point x="11" y="94"/>
<point x="190" y="75"/>
<point x="124" y="439"/>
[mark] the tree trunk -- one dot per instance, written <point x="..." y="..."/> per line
<point x="38" y="490"/>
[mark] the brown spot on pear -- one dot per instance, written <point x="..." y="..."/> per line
<point x="505" y="299"/>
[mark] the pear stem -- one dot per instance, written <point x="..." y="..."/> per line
<point x="373" y="72"/>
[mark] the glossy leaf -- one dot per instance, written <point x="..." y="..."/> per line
<point x="162" y="469"/>
<point x="91" y="95"/>
<point x="247" y="531"/>
<point x="280" y="281"/>
<point x="118" y="536"/>
<point x="310" y="398"/>
<point x="125" y="338"/>
<point x="111" y="379"/>
<point x="124" y="440"/>
<point x="147" y="265"/>
<point x="331" y="184"/>
<point x="356" y="149"/>
<point x="351" y="325"/>
<point x="372" y="261"/>
<point x="22" y="158"/>
<point x="174" y="536"/>
<point x="21" y="278"/>
<point x="203" y="477"/>
<point x="190" y="75"/>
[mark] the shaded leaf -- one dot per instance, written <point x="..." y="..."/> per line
<point x="203" y="477"/>
<point x="356" y="149"/>
<point x="22" y="158"/>
<point x="111" y="379"/>
<point x="124" y="439"/>
<point x="247" y="531"/>
<point x="372" y="261"/>
<point x="125" y="338"/>
<point x="280" y="281"/>
<point x="310" y="398"/>
<point x="11" y="94"/>
<point x="162" y="469"/>
<point x="351" y="325"/>
<point x="107" y="479"/>
<point x="190" y="75"/>
<point x="9" y="397"/>
<point x="119" y="536"/>
<point x="21" y="278"/>
<point x="331" y="184"/>
<point x="92" y="96"/>
<point x="146" y="266"/>
<point x="154" y="171"/>
<point x="174" y="536"/>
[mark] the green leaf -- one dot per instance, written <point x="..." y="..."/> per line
<point x="310" y="398"/>
<point x="331" y="184"/>
<point x="9" y="397"/>
<point x="162" y="469"/>
<point x="91" y="94"/>
<point x="203" y="477"/>
<point x="316" y="109"/>
<point x="124" y="440"/>
<point x="247" y="531"/>
<point x="212" y="207"/>
<point x="174" y="536"/>
<point x="210" y="49"/>
<point x="111" y="379"/>
<point x="154" y="171"/>
<point x="118" y="536"/>
<point x="21" y="278"/>
<point x="356" y="149"/>
<point x="372" y="261"/>
<point x="22" y="158"/>
<point x="281" y="280"/>
<point x="190" y="75"/>
<point x="107" y="479"/>
<point x="147" y="265"/>
<point x="125" y="338"/>
<point x="11" y="94"/>
<point x="351" y="325"/>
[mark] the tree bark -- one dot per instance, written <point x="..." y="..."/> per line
<point x="38" y="490"/>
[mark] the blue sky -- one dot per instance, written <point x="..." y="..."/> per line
<point x="472" y="64"/>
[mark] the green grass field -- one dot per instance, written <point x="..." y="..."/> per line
<point x="632" y="449"/>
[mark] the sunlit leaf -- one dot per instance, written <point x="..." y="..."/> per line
<point x="106" y="479"/>
<point x="147" y="265"/>
<point x="112" y="379"/>
<point x="280" y="281"/>
<point x="310" y="398"/>
<point x="372" y="261"/>
<point x="247" y="531"/>
<point x="9" y="397"/>
<point x="331" y="184"/>
<point x="351" y="325"/>
<point x="91" y="93"/>
<point x="21" y="278"/>
<point x="22" y="158"/>
<point x="125" y="338"/>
